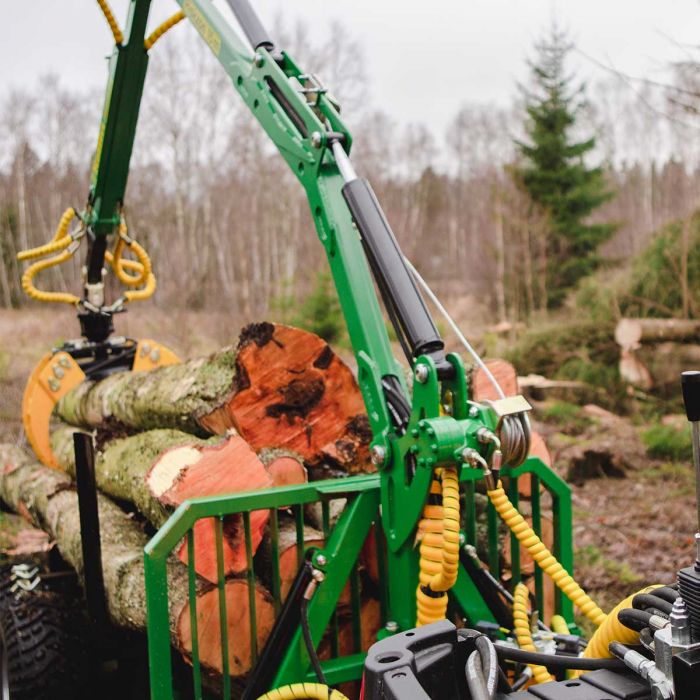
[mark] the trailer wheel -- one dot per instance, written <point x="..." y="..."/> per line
<point x="43" y="647"/>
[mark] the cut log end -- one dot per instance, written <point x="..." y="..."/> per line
<point x="293" y="391"/>
<point x="238" y="627"/>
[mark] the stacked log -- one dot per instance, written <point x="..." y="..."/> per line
<point x="654" y="351"/>
<point x="275" y="410"/>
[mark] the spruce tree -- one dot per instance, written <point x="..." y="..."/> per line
<point x="554" y="172"/>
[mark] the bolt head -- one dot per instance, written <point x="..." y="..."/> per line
<point x="54" y="384"/>
<point x="64" y="362"/>
<point x="391" y="626"/>
<point x="155" y="355"/>
<point x="145" y="349"/>
<point x="316" y="139"/>
<point x="58" y="372"/>
<point x="377" y="454"/>
<point x="259" y="60"/>
<point x="421" y="374"/>
<point x="321" y="560"/>
<point x="473" y="412"/>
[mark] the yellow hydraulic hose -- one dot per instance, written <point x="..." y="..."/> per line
<point x="544" y="558"/>
<point x="158" y="32"/>
<point x="112" y="22"/>
<point x="310" y="691"/>
<point x="145" y="293"/>
<point x="438" y="532"/>
<point x="612" y="630"/>
<point x="521" y="627"/>
<point x="60" y="239"/>
<point x="121" y="266"/>
<point x="39" y="295"/>
<point x="558" y="625"/>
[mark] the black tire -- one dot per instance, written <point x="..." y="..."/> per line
<point x="44" y="648"/>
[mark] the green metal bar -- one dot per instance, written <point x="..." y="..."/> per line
<point x="299" y="521"/>
<point x="341" y="670"/>
<point x="470" y="512"/>
<point x="537" y="527"/>
<point x="127" y="73"/>
<point x="381" y="567"/>
<point x="467" y="596"/>
<point x="175" y="528"/>
<point x="326" y="524"/>
<point x="223" y="616"/>
<point x="355" y="607"/>
<point x="514" y="495"/>
<point x="275" y="559"/>
<point x="341" y="551"/>
<point x="494" y="549"/>
<point x="159" y="659"/>
<point x="192" y="594"/>
<point x="563" y="522"/>
<point x="251" y="588"/>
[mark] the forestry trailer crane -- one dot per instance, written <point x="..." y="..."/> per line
<point x="433" y="449"/>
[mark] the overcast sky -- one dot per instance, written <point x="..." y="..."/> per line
<point x="424" y="58"/>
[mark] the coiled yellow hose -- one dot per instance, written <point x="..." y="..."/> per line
<point x="40" y="295"/>
<point x="310" y="691"/>
<point x="112" y="22"/>
<point x="60" y="239"/>
<point x="158" y="32"/>
<point x="612" y="630"/>
<point x="438" y="532"/>
<point x="521" y="627"/>
<point x="544" y="558"/>
<point x="121" y="266"/>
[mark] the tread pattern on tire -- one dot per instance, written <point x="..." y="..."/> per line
<point x="45" y="644"/>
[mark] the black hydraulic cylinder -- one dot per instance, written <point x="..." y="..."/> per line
<point x="90" y="529"/>
<point x="286" y="625"/>
<point x="393" y="277"/>
<point x="251" y="25"/>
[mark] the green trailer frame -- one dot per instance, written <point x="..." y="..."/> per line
<point x="302" y="120"/>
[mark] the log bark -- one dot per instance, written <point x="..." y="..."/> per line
<point x="159" y="469"/>
<point x="631" y="333"/>
<point x="280" y="387"/>
<point x="48" y="499"/>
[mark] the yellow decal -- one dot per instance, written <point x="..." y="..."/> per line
<point x="201" y="24"/>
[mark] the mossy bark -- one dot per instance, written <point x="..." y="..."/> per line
<point x="122" y="465"/>
<point x="175" y="396"/>
<point x="48" y="499"/>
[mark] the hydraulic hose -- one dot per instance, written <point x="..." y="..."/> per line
<point x="475" y="678"/>
<point x="612" y="630"/>
<point x="438" y="532"/>
<point x="667" y="593"/>
<point x="544" y="558"/>
<point x="60" y="239"/>
<point x="636" y="620"/>
<point x="644" y="601"/>
<point x="521" y="627"/>
<point x="40" y="295"/>
<point x="578" y="663"/>
<point x="489" y="663"/>
<point x="158" y="32"/>
<point x="112" y="22"/>
<point x="310" y="691"/>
